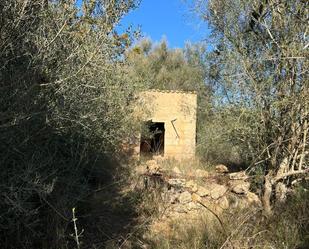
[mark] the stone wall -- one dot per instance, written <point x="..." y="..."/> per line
<point x="187" y="198"/>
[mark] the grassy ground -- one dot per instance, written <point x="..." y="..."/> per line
<point x="287" y="228"/>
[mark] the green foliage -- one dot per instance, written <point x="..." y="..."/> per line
<point x="160" y="67"/>
<point x="257" y="70"/>
<point x="64" y="103"/>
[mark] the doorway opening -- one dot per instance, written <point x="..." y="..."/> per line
<point x="152" y="139"/>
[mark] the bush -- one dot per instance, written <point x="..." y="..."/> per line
<point x="64" y="105"/>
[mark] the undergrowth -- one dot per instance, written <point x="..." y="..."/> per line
<point x="287" y="228"/>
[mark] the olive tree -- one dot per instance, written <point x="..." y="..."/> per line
<point x="64" y="100"/>
<point x="260" y="67"/>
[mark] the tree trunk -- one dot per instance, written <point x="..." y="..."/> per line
<point x="267" y="194"/>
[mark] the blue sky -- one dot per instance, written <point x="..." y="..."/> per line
<point x="171" y="19"/>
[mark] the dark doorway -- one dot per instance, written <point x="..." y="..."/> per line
<point x="152" y="139"/>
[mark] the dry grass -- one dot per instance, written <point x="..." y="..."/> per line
<point x="186" y="166"/>
<point x="245" y="228"/>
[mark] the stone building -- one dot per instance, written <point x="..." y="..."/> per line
<point x="170" y="118"/>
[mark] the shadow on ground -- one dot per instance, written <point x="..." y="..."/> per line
<point x="108" y="216"/>
<point x="44" y="175"/>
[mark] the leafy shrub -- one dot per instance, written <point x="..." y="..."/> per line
<point x="64" y="105"/>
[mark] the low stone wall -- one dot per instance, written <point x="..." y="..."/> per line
<point x="187" y="197"/>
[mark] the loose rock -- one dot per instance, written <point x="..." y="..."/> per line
<point x="177" y="182"/>
<point x="224" y="203"/>
<point x="202" y="191"/>
<point x="152" y="166"/>
<point x="191" y="185"/>
<point x="217" y="191"/>
<point x="196" y="197"/>
<point x="240" y="187"/>
<point x="192" y="206"/>
<point x="185" y="197"/>
<point x="253" y="199"/>
<point x="221" y="169"/>
<point x="241" y="175"/>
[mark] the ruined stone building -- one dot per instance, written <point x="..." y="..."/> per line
<point x="170" y="116"/>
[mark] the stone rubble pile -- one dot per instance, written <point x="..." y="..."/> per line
<point x="185" y="195"/>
